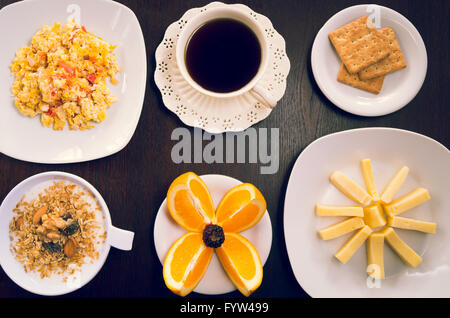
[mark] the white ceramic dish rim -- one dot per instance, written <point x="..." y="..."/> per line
<point x="141" y="99"/>
<point x="345" y="105"/>
<point x="299" y="278"/>
<point x="116" y="237"/>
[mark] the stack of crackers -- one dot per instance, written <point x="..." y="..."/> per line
<point x="367" y="54"/>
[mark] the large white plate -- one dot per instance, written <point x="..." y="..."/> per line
<point x="26" y="139"/>
<point x="215" y="281"/>
<point x="399" y="88"/>
<point x="312" y="260"/>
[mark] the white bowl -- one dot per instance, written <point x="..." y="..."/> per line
<point x="215" y="281"/>
<point x="312" y="260"/>
<point x="54" y="285"/>
<point x="399" y="87"/>
<point x="27" y="139"/>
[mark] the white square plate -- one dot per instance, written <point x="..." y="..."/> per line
<point x="399" y="87"/>
<point x="26" y="138"/>
<point x="55" y="284"/>
<point x="318" y="272"/>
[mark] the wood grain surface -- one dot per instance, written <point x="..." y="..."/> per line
<point x="134" y="181"/>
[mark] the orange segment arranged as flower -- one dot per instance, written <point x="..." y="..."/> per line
<point x="186" y="263"/>
<point x="241" y="208"/>
<point x="190" y="203"/>
<point x="241" y="261"/>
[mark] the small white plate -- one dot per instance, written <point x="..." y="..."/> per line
<point x="54" y="285"/>
<point x="399" y="87"/>
<point x="26" y="138"/>
<point x="312" y="260"/>
<point x="215" y="281"/>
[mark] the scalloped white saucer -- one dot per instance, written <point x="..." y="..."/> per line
<point x="215" y="281"/>
<point x="217" y="115"/>
<point x="312" y="261"/>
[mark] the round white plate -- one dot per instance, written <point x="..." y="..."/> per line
<point x="217" y="115"/>
<point x="215" y="281"/>
<point x="54" y="285"/>
<point x="318" y="272"/>
<point x="399" y="87"/>
<point x="26" y="138"/>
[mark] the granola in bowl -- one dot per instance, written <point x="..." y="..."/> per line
<point x="58" y="231"/>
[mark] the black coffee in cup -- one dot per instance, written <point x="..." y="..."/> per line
<point x="223" y="55"/>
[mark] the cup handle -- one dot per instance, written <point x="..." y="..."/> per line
<point x="264" y="96"/>
<point x="121" y="239"/>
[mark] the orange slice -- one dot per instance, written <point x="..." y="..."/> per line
<point x="186" y="263"/>
<point x="241" y="208"/>
<point x="241" y="261"/>
<point x="190" y="203"/>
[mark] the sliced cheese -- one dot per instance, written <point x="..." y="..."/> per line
<point x="350" y="188"/>
<point x="405" y="252"/>
<point x="366" y="167"/>
<point x="411" y="224"/>
<point x="374" y="215"/>
<point x="407" y="202"/>
<point x="375" y="261"/>
<point x="341" y="228"/>
<point x="351" y="246"/>
<point x="333" y="210"/>
<point x="394" y="185"/>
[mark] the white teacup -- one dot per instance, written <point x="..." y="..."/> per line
<point x="254" y="86"/>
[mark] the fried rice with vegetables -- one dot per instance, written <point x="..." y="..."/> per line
<point x="62" y="76"/>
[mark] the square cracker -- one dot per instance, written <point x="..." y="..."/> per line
<point x="371" y="85"/>
<point x="393" y="62"/>
<point x="359" y="45"/>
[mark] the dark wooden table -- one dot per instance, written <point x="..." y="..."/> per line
<point x="134" y="181"/>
